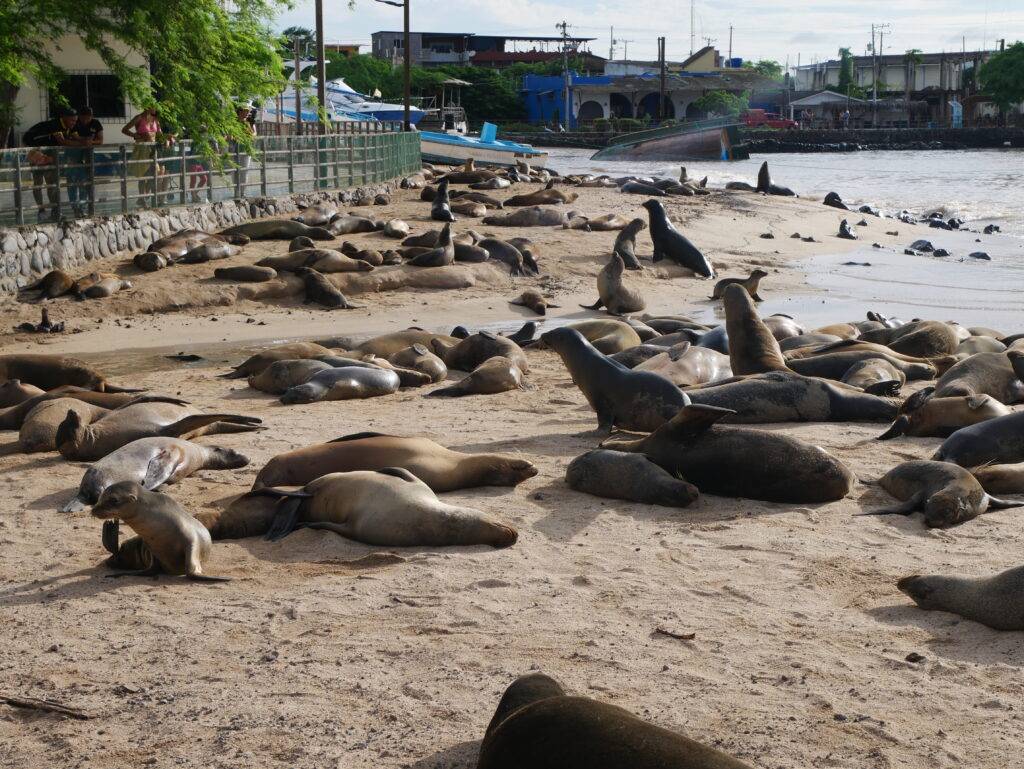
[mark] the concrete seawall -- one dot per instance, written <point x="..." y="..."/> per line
<point x="882" y="138"/>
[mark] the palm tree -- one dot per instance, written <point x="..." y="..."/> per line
<point x="910" y="59"/>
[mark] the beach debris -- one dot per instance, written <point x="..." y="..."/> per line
<point x="866" y="209"/>
<point x="915" y="657"/>
<point x="940" y="252"/>
<point x="767" y="236"/>
<point x="809" y="239"/>
<point x="47" y="706"/>
<point x="674" y="634"/>
<point x="856" y="264"/>
<point x="44" y="326"/>
<point x="910" y="252"/>
<point x="876" y="245"/>
<point x="894" y="233"/>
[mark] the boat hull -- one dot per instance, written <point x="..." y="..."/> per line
<point x="446" y="149"/>
<point x="710" y="143"/>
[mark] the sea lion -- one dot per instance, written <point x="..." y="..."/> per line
<point x="878" y="376"/>
<point x="211" y="250"/>
<point x="753" y="348"/>
<point x="319" y="259"/>
<point x="976" y="344"/>
<point x="544" y="197"/>
<point x="470" y="253"/>
<point x="780" y="396"/>
<point x="442" y="255"/>
<point x="845" y="231"/>
<point x="407" y="377"/>
<point x="51" y="371"/>
<point x="470" y="352"/>
<point x="633" y="477"/>
<point x="625" y="244"/>
<point x="246" y="273"/>
<point x="640" y="188"/>
<point x="440" y="208"/>
<point x="941" y="363"/>
<point x="765" y="184"/>
<point x="389" y="507"/>
<point x="14" y="391"/>
<point x="634" y="356"/>
<point x="319" y="290"/>
<point x="603" y="223"/>
<point x="151" y="462"/>
<point x="53" y="284"/>
<point x="924" y="415"/>
<point x="468" y="208"/>
<point x="737" y="462"/>
<point x="802" y="341"/>
<point x="254" y="364"/>
<point x="836" y="365"/>
<point x="76" y="440"/>
<point x="351" y="224"/>
<point x="104" y="288"/>
<point x="997" y="601"/>
<point x="284" y="374"/>
<point x="534" y="300"/>
<point x="948" y="495"/>
<point x="178" y="542"/>
<point x="535" y="216"/>
<point x="530" y="252"/>
<point x="387" y="345"/>
<point x="526" y="333"/>
<point x="13" y="417"/>
<point x="277" y="229"/>
<point x="476" y="197"/>
<point x="833" y="200"/>
<point x="301" y="243"/>
<point x="845" y="331"/>
<point x="669" y="243"/>
<point x="612" y="293"/>
<point x="419" y="358"/>
<point x="495" y="183"/>
<point x="632" y="400"/>
<point x="494" y="375"/>
<point x="151" y="261"/>
<point x="38" y="431"/>
<point x="345" y="383"/>
<point x="440" y="468"/>
<point x="782" y="326"/>
<point x="503" y="251"/>
<point x="1001" y="479"/>
<point x="608" y="336"/>
<point x="985" y="373"/>
<point x="537" y="725"/>
<point x="317" y="215"/>
<point x="685" y="365"/>
<point x="750" y="283"/>
<point x="427" y="240"/>
<point x="924" y="338"/>
<point x="997" y="441"/>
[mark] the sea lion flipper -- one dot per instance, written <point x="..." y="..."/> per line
<point x="994" y="503"/>
<point x="903" y="508"/>
<point x="695" y="419"/>
<point x="399" y="472"/>
<point x="194" y="422"/>
<point x="151" y="571"/>
<point x="896" y="429"/>
<point x="111" y="535"/>
<point x="678" y="351"/>
<point x="595" y="306"/>
<point x="975" y="401"/>
<point x="206" y="578"/>
<point x="285" y="519"/>
<point x="158" y="471"/>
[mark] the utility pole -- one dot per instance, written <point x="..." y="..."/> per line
<point x="730" y="41"/>
<point x="625" y="47"/>
<point x="298" y="89"/>
<point x="692" y="25"/>
<point x="875" y="62"/>
<point x="564" y="27"/>
<point x="321" y="67"/>
<point x="661" y="92"/>
<point x="407" y="58"/>
<point x="611" y="43"/>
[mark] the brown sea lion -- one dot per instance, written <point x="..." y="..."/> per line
<point x="53" y="284"/>
<point x="284" y="374"/>
<point x="625" y="244"/>
<point x="351" y="224"/>
<point x="317" y="215"/>
<point x="440" y="468"/>
<point x="468" y="208"/>
<point x="985" y="373"/>
<point x="387" y="345"/>
<point x="544" y="197"/>
<point x="751" y="283"/>
<point x="14" y="391"/>
<point x="753" y="348"/>
<point x="13" y="417"/>
<point x="246" y="273"/>
<point x="50" y="371"/>
<point x="613" y="294"/>
<point x="836" y="365"/>
<point x="442" y="255"/>
<point x="503" y="251"/>
<point x="923" y="415"/>
<point x="535" y="216"/>
<point x="875" y="375"/>
<point x="319" y="290"/>
<point x="608" y="336"/>
<point x="924" y="338"/>
<point x="685" y="365"/>
<point x="419" y="358"/>
<point x="997" y="441"/>
<point x="277" y="229"/>
<point x="476" y="197"/>
<point x="534" y="300"/>
<point x="633" y="477"/>
<point x="476" y="348"/>
<point x="494" y="375"/>
<point x="104" y="288"/>
<point x="254" y="364"/>
<point x="996" y="601"/>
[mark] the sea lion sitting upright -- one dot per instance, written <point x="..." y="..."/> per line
<point x="442" y="255"/>
<point x="51" y="371"/>
<point x="750" y="283"/>
<point x="625" y="244"/>
<point x="537" y="725"/>
<point x="947" y="494"/>
<point x="632" y="400"/>
<point x="765" y="184"/>
<point x="669" y="243"/>
<point x="996" y="601"/>
<point x="738" y="462"/>
<point x="633" y="477"/>
<point x="319" y="290"/>
<point x="178" y="542"/>
<point x="753" y="349"/>
<point x="440" y="208"/>
<point x="614" y="295"/>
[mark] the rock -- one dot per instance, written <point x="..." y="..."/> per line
<point x="834" y="201"/>
<point x="767" y="236"/>
<point x="980" y="255"/>
<point x="922" y="245"/>
<point x="940" y="252"/>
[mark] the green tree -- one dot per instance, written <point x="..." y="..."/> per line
<point x="846" y="84"/>
<point x="204" y="55"/>
<point x="1002" y="77"/>
<point x="723" y="102"/>
<point x="767" y="67"/>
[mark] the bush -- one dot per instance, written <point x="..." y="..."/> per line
<point x="627" y="124"/>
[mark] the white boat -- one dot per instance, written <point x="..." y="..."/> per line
<point x="485" y="150"/>
<point x="282" y="106"/>
<point x="341" y="95"/>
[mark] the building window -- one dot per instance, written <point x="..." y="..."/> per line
<point x="101" y="91"/>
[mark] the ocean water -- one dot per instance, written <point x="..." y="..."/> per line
<point x="979" y="186"/>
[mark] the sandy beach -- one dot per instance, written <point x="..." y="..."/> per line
<point x="323" y="652"/>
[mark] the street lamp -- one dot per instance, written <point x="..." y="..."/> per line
<point x="404" y="5"/>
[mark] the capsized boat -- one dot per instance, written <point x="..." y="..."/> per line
<point x="713" y="139"/>
<point x="485" y="149"/>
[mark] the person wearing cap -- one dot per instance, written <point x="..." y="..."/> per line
<point x="47" y="134"/>
<point x="244" y="112"/>
<point x="87" y="132"/>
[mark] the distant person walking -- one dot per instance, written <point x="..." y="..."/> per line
<point x="48" y="133"/>
<point x="845" y="117"/>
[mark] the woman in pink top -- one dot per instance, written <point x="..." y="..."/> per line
<point x="145" y="128"/>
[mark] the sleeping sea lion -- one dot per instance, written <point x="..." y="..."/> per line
<point x="994" y="441"/>
<point x="470" y="352"/>
<point x="50" y="371"/>
<point x="284" y="374"/>
<point x="633" y="477"/>
<point x="533" y="299"/>
<point x="685" y="365"/>
<point x="317" y="215"/>
<point x="419" y="358"/>
<point x="535" y="216"/>
<point x="494" y="375"/>
<point x="985" y="373"/>
<point x="246" y="273"/>
<point x="277" y="229"/>
<point x="346" y="383"/>
<point x="996" y="601"/>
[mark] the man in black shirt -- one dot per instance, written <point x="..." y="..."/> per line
<point x="87" y="132"/>
<point x="48" y="133"/>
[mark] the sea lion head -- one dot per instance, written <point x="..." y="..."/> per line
<point x="304" y="393"/>
<point x="759" y="273"/>
<point x="117" y="500"/>
<point x="222" y="458"/>
<point x="506" y="471"/>
<point x="946" y="508"/>
<point x="924" y="590"/>
<point x="70" y="431"/>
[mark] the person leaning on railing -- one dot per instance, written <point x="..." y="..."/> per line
<point x="144" y="128"/>
<point x="49" y="134"/>
<point x="87" y="132"/>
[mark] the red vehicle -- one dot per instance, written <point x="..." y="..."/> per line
<point x="759" y="118"/>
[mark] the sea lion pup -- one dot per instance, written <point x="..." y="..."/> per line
<point x="765" y="184"/>
<point x="535" y="216"/>
<point x="442" y="255"/>
<point x="751" y="283"/>
<point x="470" y="352"/>
<point x="1001" y="479"/>
<point x="53" y="284"/>
<point x="670" y="243"/>
<point x="537" y="725"/>
<point x="845" y="231"/>
<point x="998" y="441"/>
<point x="923" y="415"/>
<point x="300" y="243"/>
<point x="347" y="383"/>
<point x="633" y="477"/>
<point x="277" y="229"/>
<point x="494" y="375"/>
<point x="151" y="462"/>
<point x="387" y="345"/>
<point x="440" y="468"/>
<point x="317" y="215"/>
<point x="419" y="358"/>
<point x="247" y="273"/>
<point x="78" y="441"/>
<point x="319" y="290"/>
<point x="104" y="288"/>
<point x="468" y="208"/>
<point x="985" y="373"/>
<point x="534" y="300"/>
<point x="781" y="396"/>
<point x="997" y="601"/>
<point x="14" y="391"/>
<point x="923" y="338"/>
<point x="396" y="228"/>
<point x="685" y="365"/>
<point x="38" y="431"/>
<point x="753" y="348"/>
<point x="390" y="506"/>
<point x="737" y="462"/>
<point x="178" y="542"/>
<point x="875" y="375"/>
<point x="603" y="223"/>
<point x="632" y="400"/>
<point x="284" y="374"/>
<point x="625" y="244"/>
<point x="612" y="293"/>
<point x="947" y="494"/>
<point x="836" y="365"/>
<point x="440" y="208"/>
<point x="51" y="371"/>
<point x="254" y="364"/>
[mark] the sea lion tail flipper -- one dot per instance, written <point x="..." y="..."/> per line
<point x="695" y="419"/>
<point x="111" y="388"/>
<point x="11" y="448"/>
<point x="896" y="429"/>
<point x="757" y="297"/>
<point x="285" y="519"/>
<point x="150" y="571"/>
<point x="453" y="391"/>
<point x="359" y="436"/>
<point x="196" y="422"/>
<point x="903" y="508"/>
<point x="888" y="389"/>
<point x="595" y="306"/>
<point x="206" y="578"/>
<point x="235" y="373"/>
<point x="995" y="503"/>
<point x="158" y="470"/>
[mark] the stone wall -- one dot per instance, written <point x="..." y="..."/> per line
<point x="29" y="252"/>
<point x="882" y="138"/>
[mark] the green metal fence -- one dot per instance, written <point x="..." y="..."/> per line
<point x="62" y="183"/>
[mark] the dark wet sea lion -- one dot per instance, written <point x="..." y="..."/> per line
<point x="738" y="462"/>
<point x="753" y="348"/>
<point x="612" y="293"/>
<point x="639" y="188"/>
<point x="440" y="207"/>
<point x="277" y="229"/>
<point x="537" y="725"/>
<point x="178" y="542"/>
<point x="765" y="184"/>
<point x="670" y="243"/>
<point x="347" y="383"/>
<point x="995" y="441"/>
<point x="985" y="373"/>
<point x="633" y="477"/>
<point x="632" y="400"/>
<point x="835" y="365"/>
<point x="51" y="371"/>
<point x="925" y="338"/>
<point x="625" y="244"/>
<point x="476" y="348"/>
<point x="996" y="601"/>
<point x="319" y="290"/>
<point x="442" y="255"/>
<point x="634" y="356"/>
<point x="947" y="494"/>
<point x="494" y="375"/>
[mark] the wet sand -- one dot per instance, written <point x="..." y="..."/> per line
<point x="324" y="652"/>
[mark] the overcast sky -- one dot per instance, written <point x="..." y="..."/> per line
<point x="762" y="28"/>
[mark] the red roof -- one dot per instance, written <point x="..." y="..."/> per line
<point x="512" y="57"/>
